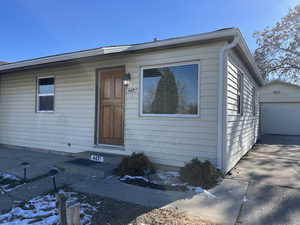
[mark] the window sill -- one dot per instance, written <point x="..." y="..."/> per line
<point x="170" y="115"/>
<point x="50" y="112"/>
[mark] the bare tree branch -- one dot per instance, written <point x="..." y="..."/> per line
<point x="278" y="52"/>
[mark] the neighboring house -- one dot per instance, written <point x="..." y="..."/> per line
<point x="173" y="99"/>
<point x="280" y="108"/>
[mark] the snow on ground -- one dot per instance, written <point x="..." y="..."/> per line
<point x="133" y="178"/>
<point x="8" y="182"/>
<point x="173" y="176"/>
<point x="9" y="176"/>
<point x="42" y="211"/>
<point x="169" y="178"/>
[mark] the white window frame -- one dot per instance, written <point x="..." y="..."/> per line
<point x="41" y="95"/>
<point x="240" y="92"/>
<point x="142" y="68"/>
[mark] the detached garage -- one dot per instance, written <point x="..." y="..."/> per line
<point x="280" y="108"/>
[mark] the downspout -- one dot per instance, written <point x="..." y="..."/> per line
<point x="222" y="95"/>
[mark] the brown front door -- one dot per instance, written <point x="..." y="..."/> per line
<point x="111" y="107"/>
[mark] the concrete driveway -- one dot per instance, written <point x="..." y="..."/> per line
<point x="272" y="169"/>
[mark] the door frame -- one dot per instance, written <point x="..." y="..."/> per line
<point x="97" y="141"/>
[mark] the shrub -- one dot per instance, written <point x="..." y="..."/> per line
<point x="137" y="164"/>
<point x="197" y="173"/>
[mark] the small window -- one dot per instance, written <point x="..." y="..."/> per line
<point x="254" y="101"/>
<point x="170" y="90"/>
<point x="45" y="94"/>
<point x="240" y="93"/>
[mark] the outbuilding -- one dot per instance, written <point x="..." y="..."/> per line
<point x="280" y="108"/>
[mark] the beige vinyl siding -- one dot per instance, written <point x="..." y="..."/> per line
<point x="242" y="130"/>
<point x="170" y="141"/>
<point x="279" y="92"/>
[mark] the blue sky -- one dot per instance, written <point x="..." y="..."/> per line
<point x="36" y="28"/>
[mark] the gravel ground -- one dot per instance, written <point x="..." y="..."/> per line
<point x="168" y="216"/>
<point x="112" y="212"/>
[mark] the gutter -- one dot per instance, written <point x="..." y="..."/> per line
<point x="222" y="95"/>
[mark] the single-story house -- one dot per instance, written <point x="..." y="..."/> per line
<point x="173" y="99"/>
<point x="280" y="108"/>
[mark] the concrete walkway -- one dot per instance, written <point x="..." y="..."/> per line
<point x="113" y="188"/>
<point x="273" y="173"/>
<point x="223" y="208"/>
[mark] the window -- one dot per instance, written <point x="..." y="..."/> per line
<point x="254" y="101"/>
<point x="170" y="90"/>
<point x="45" y="94"/>
<point x="240" y="93"/>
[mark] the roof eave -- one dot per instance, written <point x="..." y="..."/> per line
<point x="250" y="59"/>
<point x="282" y="83"/>
<point x="225" y="35"/>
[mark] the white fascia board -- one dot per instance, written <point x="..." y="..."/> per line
<point x="62" y="57"/>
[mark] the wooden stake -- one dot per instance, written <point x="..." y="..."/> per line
<point x="73" y="215"/>
<point x="61" y="201"/>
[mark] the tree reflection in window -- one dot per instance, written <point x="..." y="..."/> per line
<point x="171" y="90"/>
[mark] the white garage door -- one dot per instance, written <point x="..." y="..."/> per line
<point x="280" y="118"/>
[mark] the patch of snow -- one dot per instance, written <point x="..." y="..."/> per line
<point x="42" y="211"/>
<point x="198" y="190"/>
<point x="245" y="199"/>
<point x="209" y="195"/>
<point x="167" y="174"/>
<point x="7" y="189"/>
<point x="176" y="185"/>
<point x="9" y="176"/>
<point x="127" y="177"/>
<point x="195" y="189"/>
<point x="201" y="190"/>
